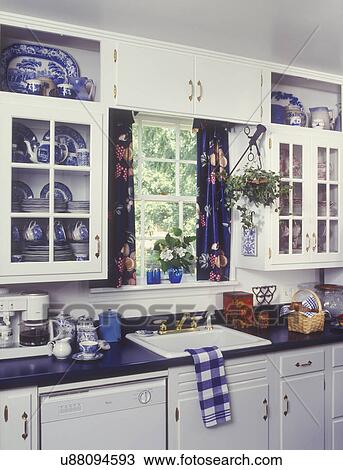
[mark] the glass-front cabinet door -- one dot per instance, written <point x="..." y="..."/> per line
<point x="51" y="174"/>
<point x="326" y="223"/>
<point x="291" y="242"/>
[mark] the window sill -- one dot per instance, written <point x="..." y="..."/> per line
<point x="165" y="286"/>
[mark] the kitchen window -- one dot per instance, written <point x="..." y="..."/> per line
<point x="165" y="183"/>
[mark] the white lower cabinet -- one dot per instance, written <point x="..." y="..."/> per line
<point x="302" y="412"/>
<point x="248" y="428"/>
<point x="19" y="419"/>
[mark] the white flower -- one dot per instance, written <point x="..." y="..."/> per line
<point x="166" y="254"/>
<point x="180" y="252"/>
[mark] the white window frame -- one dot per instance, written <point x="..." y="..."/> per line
<point x="174" y="123"/>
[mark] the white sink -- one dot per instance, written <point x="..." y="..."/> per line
<point x="174" y="344"/>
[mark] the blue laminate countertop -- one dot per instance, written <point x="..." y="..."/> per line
<point x="127" y="358"/>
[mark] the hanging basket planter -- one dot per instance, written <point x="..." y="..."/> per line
<point x="254" y="187"/>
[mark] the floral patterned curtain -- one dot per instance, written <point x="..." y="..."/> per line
<point x="122" y="243"/>
<point x="213" y="219"/>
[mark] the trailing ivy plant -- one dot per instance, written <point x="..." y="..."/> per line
<point x="253" y="187"/>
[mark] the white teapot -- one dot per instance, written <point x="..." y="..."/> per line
<point x="61" y="348"/>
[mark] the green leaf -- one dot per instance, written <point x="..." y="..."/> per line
<point x="177" y="231"/>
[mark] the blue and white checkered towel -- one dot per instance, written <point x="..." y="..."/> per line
<point x="309" y="302"/>
<point x="212" y="386"/>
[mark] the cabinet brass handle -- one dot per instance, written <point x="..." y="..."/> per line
<point x="114" y="91"/>
<point x="314" y="241"/>
<point x="266" y="412"/>
<point x="24" y="418"/>
<point x="97" y="239"/>
<point x="6" y="413"/>
<point x="200" y="90"/>
<point x="191" y="84"/>
<point x="285" y="400"/>
<point x="308" y="242"/>
<point x="304" y="364"/>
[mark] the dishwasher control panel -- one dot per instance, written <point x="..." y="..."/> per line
<point x="105" y="399"/>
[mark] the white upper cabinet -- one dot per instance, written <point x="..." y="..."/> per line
<point x="156" y="79"/>
<point x="228" y="90"/>
<point x="50" y="235"/>
<point x="153" y="78"/>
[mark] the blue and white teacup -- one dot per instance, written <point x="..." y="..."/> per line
<point x="33" y="232"/>
<point x="81" y="257"/>
<point x="34" y="86"/>
<point x="60" y="235"/>
<point x="89" y="348"/>
<point x="17" y="258"/>
<point x="80" y="232"/>
<point x="84" y="88"/>
<point x="65" y="90"/>
<point x="82" y="156"/>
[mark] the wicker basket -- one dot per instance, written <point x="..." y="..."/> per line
<point x="299" y="322"/>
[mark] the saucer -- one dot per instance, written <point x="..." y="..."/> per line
<point x="81" y="357"/>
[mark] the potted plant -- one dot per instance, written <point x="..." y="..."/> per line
<point x="174" y="254"/>
<point x="254" y="187"/>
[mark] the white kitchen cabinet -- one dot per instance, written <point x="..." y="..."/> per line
<point x="306" y="230"/>
<point x="308" y="223"/>
<point x="248" y="428"/>
<point x="18" y="419"/>
<point x="302" y="412"/>
<point x="228" y="90"/>
<point x="153" y="78"/>
<point x="24" y="177"/>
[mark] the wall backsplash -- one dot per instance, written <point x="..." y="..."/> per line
<point x="75" y="296"/>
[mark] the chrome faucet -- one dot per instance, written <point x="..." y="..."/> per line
<point x="209" y="326"/>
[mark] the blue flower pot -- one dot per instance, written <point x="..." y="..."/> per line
<point x="175" y="275"/>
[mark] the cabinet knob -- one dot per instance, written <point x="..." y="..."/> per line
<point x="266" y="412"/>
<point x="25" y="433"/>
<point x="304" y="364"/>
<point x="199" y="84"/>
<point x="98" y="246"/>
<point x="286" y="405"/>
<point x="191" y="84"/>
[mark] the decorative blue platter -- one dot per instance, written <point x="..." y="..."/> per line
<point x="71" y="138"/>
<point x="20" y="132"/>
<point x="285" y="99"/>
<point x="21" y="62"/>
<point x="62" y="192"/>
<point x="21" y="191"/>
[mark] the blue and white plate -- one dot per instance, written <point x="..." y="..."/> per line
<point x="21" y="191"/>
<point x="71" y="138"/>
<point x="20" y="132"/>
<point x="62" y="192"/>
<point x="21" y="62"/>
<point x="82" y="357"/>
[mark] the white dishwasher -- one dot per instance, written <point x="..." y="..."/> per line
<point x="124" y="416"/>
